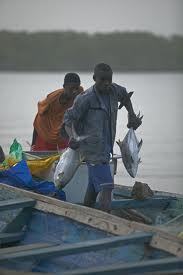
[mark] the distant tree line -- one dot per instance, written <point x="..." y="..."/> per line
<point x="70" y="51"/>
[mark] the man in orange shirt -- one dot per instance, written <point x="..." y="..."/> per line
<point x="49" y="119"/>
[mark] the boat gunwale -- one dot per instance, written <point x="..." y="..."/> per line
<point x="156" y="192"/>
<point x="102" y="220"/>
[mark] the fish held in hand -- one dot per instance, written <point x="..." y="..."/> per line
<point x="69" y="162"/>
<point x="130" y="148"/>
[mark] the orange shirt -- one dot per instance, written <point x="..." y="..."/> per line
<point x="49" y="118"/>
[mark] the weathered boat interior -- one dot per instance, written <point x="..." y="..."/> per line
<point x="43" y="234"/>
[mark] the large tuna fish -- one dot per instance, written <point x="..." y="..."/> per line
<point x="69" y="162"/>
<point x="130" y="148"/>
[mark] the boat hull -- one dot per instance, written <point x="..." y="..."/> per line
<point x="59" y="224"/>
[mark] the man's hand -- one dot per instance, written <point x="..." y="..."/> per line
<point x="134" y="121"/>
<point x="74" y="144"/>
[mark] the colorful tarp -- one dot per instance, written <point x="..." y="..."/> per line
<point x="19" y="175"/>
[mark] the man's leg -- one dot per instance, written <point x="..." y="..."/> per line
<point x="100" y="181"/>
<point x="90" y="196"/>
<point x="105" y="199"/>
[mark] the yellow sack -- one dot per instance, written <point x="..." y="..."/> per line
<point x="38" y="166"/>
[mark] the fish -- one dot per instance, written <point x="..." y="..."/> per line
<point x="68" y="164"/>
<point x="130" y="147"/>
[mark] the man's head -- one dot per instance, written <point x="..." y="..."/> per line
<point x="71" y="84"/>
<point x="103" y="77"/>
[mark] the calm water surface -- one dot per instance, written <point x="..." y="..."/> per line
<point x="158" y="96"/>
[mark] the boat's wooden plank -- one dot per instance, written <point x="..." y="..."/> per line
<point x="166" y="272"/>
<point x="16" y="203"/>
<point x="19" y="222"/>
<point x="26" y="247"/>
<point x="131" y="203"/>
<point x="166" y="264"/>
<point x="81" y="247"/>
<point x="127" y="190"/>
<point x="8" y="238"/>
<point x="160" y="241"/>
<point x="175" y="220"/>
<point x="122" y="193"/>
<point x="132" y="215"/>
<point x="14" y="272"/>
<point x="85" y="215"/>
<point x="139" y="215"/>
<point x="101" y="220"/>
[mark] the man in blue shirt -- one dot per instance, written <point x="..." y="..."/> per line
<point x="94" y="114"/>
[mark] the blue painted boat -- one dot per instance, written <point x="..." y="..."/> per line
<point x="46" y="235"/>
<point x="150" y="211"/>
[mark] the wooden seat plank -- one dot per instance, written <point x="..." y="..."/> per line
<point x="81" y="247"/>
<point x="165" y="264"/>
<point x="133" y="204"/>
<point x="16" y="203"/>
<point x="8" y="238"/>
<point x="20" y="222"/>
<point x="26" y="247"/>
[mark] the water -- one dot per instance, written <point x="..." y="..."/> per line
<point x="157" y="96"/>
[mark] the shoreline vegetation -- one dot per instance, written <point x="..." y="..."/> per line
<point x="79" y="51"/>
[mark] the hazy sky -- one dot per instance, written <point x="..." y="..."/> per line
<point x="159" y="16"/>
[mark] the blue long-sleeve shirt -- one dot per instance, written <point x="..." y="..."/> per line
<point x="90" y="117"/>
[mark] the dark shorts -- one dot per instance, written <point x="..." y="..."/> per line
<point x="99" y="176"/>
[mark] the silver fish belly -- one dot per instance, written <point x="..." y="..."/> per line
<point x="68" y="164"/>
<point x="130" y="148"/>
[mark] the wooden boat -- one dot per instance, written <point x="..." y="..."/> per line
<point x="148" y="211"/>
<point x="43" y="234"/>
